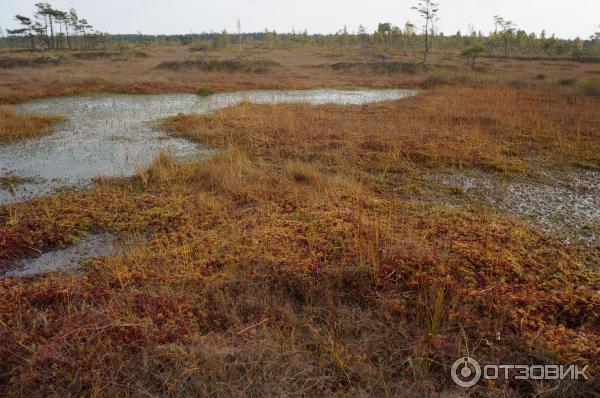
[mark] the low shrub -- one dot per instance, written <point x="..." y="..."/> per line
<point x="380" y="67"/>
<point x="567" y="82"/>
<point x="14" y="62"/>
<point x="590" y="88"/>
<point x="205" y="91"/>
<point x="254" y="66"/>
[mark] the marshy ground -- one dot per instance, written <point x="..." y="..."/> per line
<point x="15" y="127"/>
<point x="322" y="249"/>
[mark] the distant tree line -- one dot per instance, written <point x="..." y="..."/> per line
<point x="54" y="29"/>
<point x="50" y="28"/>
<point x="386" y="38"/>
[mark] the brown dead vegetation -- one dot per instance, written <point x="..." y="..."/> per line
<point x="16" y="127"/>
<point x="294" y="263"/>
<point x="135" y="71"/>
<point x="495" y="127"/>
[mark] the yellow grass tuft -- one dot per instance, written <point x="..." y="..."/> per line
<point x="17" y="127"/>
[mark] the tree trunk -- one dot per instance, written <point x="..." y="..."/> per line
<point x="426" y="39"/>
<point x="427" y="36"/>
<point x="47" y="37"/>
<point x="32" y="37"/>
<point x="68" y="39"/>
<point x="52" y="41"/>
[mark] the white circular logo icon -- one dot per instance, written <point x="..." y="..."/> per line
<point x="466" y="372"/>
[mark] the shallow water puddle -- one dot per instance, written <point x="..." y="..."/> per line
<point x="67" y="260"/>
<point x="110" y="134"/>
<point x="565" y="204"/>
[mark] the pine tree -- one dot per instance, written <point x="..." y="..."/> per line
<point x="27" y="24"/>
<point x="428" y="10"/>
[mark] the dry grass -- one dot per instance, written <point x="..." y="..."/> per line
<point x="299" y="68"/>
<point x="10" y="182"/>
<point x="495" y="127"/>
<point x="16" y="127"/>
<point x="289" y="264"/>
<point x="258" y="282"/>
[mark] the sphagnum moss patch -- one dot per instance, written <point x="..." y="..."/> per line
<point x="289" y="262"/>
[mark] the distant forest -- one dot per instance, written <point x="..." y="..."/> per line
<point x="53" y="29"/>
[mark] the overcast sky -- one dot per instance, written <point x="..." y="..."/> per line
<point x="566" y="18"/>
